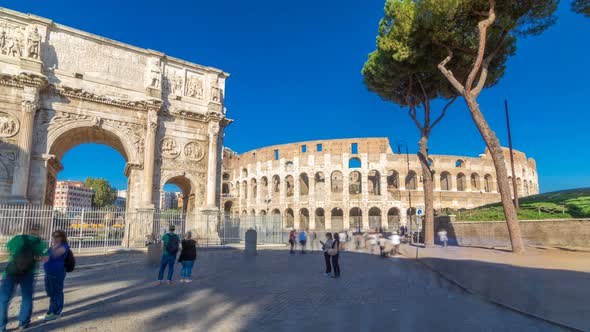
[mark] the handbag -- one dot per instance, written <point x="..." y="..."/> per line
<point x="332" y="252"/>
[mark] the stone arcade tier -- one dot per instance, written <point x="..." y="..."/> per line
<point x="359" y="182"/>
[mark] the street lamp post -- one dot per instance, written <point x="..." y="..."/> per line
<point x="399" y="151"/>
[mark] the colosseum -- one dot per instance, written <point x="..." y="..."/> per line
<point x="356" y="183"/>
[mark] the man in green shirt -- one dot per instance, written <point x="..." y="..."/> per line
<point x="170" y="246"/>
<point x="26" y="251"/>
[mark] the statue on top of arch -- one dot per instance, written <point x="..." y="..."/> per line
<point x="34" y="44"/>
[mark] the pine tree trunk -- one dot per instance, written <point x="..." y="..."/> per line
<point x="497" y="154"/>
<point x="428" y="191"/>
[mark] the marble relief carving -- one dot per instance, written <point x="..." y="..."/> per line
<point x="194" y="87"/>
<point x="169" y="148"/>
<point x="12" y="39"/>
<point x="9" y="125"/>
<point x="33" y="43"/>
<point x="194" y="151"/>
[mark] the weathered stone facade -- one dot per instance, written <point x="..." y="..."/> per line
<point x="345" y="183"/>
<point x="61" y="87"/>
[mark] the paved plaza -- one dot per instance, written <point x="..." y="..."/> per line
<point x="274" y="291"/>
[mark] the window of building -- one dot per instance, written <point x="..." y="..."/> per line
<point x="319" y="147"/>
<point x="354" y="148"/>
<point x="304" y="148"/>
<point x="277" y="154"/>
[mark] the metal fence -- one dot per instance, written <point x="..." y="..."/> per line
<point x="98" y="230"/>
<point x="85" y="228"/>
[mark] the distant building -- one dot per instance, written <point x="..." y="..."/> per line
<point x="72" y="194"/>
<point x="168" y="200"/>
<point x="121" y="200"/>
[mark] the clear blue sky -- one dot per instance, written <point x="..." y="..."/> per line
<point x="296" y="75"/>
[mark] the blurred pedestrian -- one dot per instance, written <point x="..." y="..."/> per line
<point x="302" y="240"/>
<point x="442" y="236"/>
<point x="381" y="241"/>
<point x="325" y="247"/>
<point x="292" y="241"/>
<point x="335" y="255"/>
<point x="25" y="251"/>
<point x="395" y="242"/>
<point x="188" y="256"/>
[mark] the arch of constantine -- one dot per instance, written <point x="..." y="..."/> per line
<point x="349" y="183"/>
<point x="61" y="87"/>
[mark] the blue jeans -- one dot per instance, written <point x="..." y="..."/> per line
<point x="27" y="287"/>
<point x="167" y="260"/>
<point x="187" y="269"/>
<point x="54" y="287"/>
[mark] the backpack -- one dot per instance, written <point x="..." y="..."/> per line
<point x="69" y="261"/>
<point x="172" y="246"/>
<point x="24" y="260"/>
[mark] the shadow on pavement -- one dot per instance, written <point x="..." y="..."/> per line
<point x="276" y="291"/>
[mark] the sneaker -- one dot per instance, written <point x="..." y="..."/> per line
<point x="169" y="282"/>
<point x="182" y="280"/>
<point x="327" y="274"/>
<point x="188" y="281"/>
<point x="50" y="317"/>
<point x="158" y="283"/>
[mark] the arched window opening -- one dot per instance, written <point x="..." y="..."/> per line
<point x="354" y="163"/>
<point x="475" y="185"/>
<point x="254" y="185"/>
<point x="374" y="182"/>
<point x="289" y="166"/>
<point x="356" y="218"/>
<point x="276" y="185"/>
<point x="225" y="176"/>
<point x="244" y="173"/>
<point x="355" y="184"/>
<point x="445" y="181"/>
<point x="289" y="219"/>
<point x="289" y="186"/>
<point x="245" y="186"/>
<point x="303" y="184"/>
<point x="411" y="181"/>
<point x="337" y="219"/>
<point x="392" y="180"/>
<point x="375" y="218"/>
<point x="336" y="182"/>
<point x="461" y="182"/>
<point x="303" y="219"/>
<point x="225" y="189"/>
<point x="320" y="219"/>
<point x="393" y="219"/>
<point x="460" y="163"/>
<point x="319" y="185"/>
<point x="488" y="183"/>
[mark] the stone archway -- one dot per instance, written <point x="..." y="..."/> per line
<point x="66" y="137"/>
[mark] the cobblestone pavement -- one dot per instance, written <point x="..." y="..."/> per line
<point x="274" y="291"/>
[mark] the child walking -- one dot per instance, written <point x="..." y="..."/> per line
<point x="187" y="258"/>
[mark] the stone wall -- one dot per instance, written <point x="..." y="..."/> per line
<point x="558" y="232"/>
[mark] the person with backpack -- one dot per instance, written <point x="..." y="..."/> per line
<point x="188" y="255"/>
<point x="25" y="251"/>
<point x="302" y="240"/>
<point x="170" y="246"/>
<point x="55" y="274"/>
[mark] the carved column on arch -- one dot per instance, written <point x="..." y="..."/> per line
<point x="29" y="106"/>
<point x="213" y="132"/>
<point x="149" y="157"/>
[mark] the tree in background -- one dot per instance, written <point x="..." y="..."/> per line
<point x="104" y="194"/>
<point x="410" y="81"/>
<point x="581" y="7"/>
<point x="473" y="40"/>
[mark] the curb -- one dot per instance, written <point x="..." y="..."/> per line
<point x="487" y="299"/>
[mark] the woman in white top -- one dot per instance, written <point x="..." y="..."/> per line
<point x="395" y="242"/>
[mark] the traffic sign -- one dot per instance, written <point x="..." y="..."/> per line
<point x="420" y="211"/>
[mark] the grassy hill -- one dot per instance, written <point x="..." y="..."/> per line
<point x="574" y="203"/>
